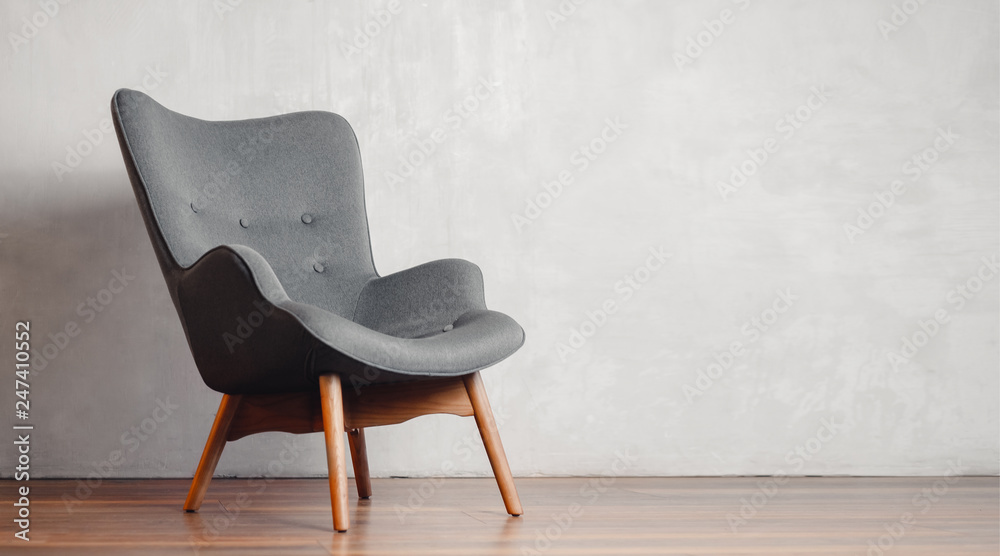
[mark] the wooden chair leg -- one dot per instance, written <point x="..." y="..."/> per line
<point x="491" y="440"/>
<point x="213" y="451"/>
<point x="359" y="455"/>
<point x="332" y="402"/>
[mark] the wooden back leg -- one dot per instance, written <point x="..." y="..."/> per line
<point x="359" y="455"/>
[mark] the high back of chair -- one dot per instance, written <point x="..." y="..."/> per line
<point x="289" y="187"/>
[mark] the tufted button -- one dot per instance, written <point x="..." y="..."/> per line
<point x="244" y="223"/>
<point x="193" y="208"/>
<point x="318" y="267"/>
<point x="307" y="219"/>
<point x="449" y="327"/>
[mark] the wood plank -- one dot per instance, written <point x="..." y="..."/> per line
<point x="297" y="413"/>
<point x="672" y="516"/>
<point x="390" y="404"/>
<point x="371" y="406"/>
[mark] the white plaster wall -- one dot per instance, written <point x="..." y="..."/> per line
<point x="815" y="393"/>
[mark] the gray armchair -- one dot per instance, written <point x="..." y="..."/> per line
<point x="260" y="229"/>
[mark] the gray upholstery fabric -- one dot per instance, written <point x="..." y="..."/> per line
<point x="260" y="230"/>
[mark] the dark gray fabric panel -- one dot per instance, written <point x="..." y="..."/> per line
<point x="241" y="342"/>
<point x="260" y="228"/>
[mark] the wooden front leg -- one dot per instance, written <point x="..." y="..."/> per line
<point x="332" y="404"/>
<point x="491" y="440"/>
<point x="213" y="451"/>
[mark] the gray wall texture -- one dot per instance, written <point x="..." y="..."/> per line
<point x="743" y="236"/>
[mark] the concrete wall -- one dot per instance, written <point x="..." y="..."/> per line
<point x="650" y="188"/>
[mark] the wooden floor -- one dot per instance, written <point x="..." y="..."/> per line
<point x="609" y="516"/>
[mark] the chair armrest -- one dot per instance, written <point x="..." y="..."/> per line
<point x="248" y="337"/>
<point x="422" y="300"/>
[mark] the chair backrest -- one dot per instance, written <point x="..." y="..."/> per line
<point x="290" y="187"/>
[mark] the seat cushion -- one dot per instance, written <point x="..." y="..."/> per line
<point x="478" y="339"/>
